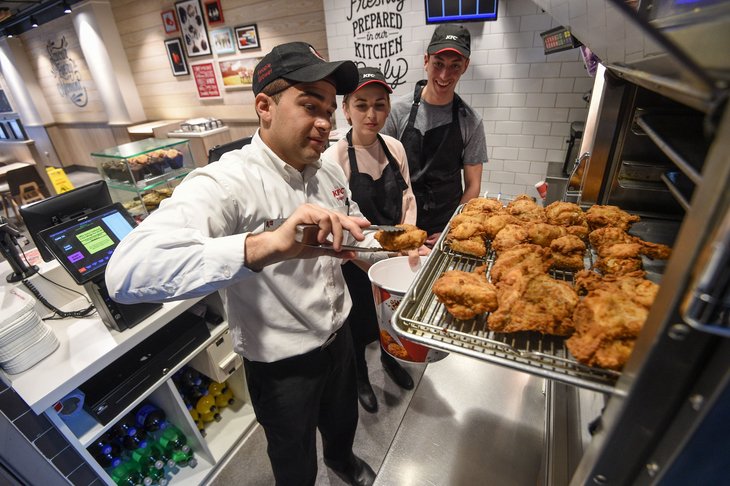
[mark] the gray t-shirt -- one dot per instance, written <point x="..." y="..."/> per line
<point x="432" y="116"/>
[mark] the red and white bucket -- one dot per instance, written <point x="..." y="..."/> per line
<point x="390" y="280"/>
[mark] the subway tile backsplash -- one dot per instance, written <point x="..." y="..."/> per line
<point x="527" y="99"/>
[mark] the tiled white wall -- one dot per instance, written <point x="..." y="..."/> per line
<point x="527" y="99"/>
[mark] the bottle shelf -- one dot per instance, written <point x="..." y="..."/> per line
<point x="87" y="429"/>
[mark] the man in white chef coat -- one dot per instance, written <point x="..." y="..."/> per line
<point x="285" y="303"/>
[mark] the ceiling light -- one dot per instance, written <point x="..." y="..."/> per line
<point x="66" y="7"/>
<point x="33" y="22"/>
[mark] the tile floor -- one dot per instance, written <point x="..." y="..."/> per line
<point x="249" y="465"/>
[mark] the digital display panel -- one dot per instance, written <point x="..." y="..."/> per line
<point x="84" y="246"/>
<point x="441" y="11"/>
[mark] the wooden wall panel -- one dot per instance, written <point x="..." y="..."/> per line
<point x="75" y="142"/>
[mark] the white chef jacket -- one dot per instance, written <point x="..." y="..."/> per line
<point x="194" y="245"/>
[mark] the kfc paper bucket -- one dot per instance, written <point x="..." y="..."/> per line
<point x="390" y="280"/>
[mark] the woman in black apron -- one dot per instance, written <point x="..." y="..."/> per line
<point x="378" y="180"/>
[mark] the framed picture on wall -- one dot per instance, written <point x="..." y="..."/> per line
<point x="206" y="80"/>
<point x="192" y="28"/>
<point x="247" y="37"/>
<point x="214" y="12"/>
<point x="238" y="73"/>
<point x="222" y="41"/>
<point x="176" y="57"/>
<point x="169" y="22"/>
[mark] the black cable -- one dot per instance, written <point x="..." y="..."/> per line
<point x="56" y="310"/>
<point x="78" y="313"/>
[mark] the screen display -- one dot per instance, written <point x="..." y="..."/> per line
<point x="84" y="246"/>
<point x="440" y="11"/>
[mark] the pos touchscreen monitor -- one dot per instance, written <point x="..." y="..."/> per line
<point x="54" y="210"/>
<point x="84" y="245"/>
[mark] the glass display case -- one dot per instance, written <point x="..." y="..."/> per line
<point x="143" y="173"/>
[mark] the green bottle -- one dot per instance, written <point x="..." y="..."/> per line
<point x="129" y="474"/>
<point x="174" y="445"/>
<point x="147" y="457"/>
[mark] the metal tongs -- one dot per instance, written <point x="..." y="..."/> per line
<point x="307" y="236"/>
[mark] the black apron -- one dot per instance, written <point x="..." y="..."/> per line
<point x="381" y="201"/>
<point x="435" y="163"/>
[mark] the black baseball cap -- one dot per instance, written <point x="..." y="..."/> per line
<point x="450" y="37"/>
<point x="300" y="62"/>
<point x="370" y="75"/>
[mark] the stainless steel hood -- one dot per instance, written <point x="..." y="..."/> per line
<point x="677" y="49"/>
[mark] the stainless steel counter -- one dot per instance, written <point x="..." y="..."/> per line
<point x="469" y="422"/>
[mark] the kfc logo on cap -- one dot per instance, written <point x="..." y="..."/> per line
<point x="368" y="75"/>
<point x="317" y="53"/>
<point x="451" y="37"/>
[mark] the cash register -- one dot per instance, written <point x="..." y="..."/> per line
<point x="83" y="246"/>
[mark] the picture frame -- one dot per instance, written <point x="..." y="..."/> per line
<point x="237" y="73"/>
<point x="214" y="12"/>
<point x="169" y="21"/>
<point x="176" y="56"/>
<point x="247" y="37"/>
<point x="206" y="80"/>
<point x="192" y="28"/>
<point x="222" y="41"/>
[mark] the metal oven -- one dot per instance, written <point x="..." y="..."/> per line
<point x="660" y="148"/>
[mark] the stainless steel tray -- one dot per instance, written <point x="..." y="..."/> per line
<point x="420" y="317"/>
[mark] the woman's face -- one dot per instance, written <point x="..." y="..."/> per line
<point x="367" y="108"/>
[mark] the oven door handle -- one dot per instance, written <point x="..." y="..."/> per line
<point x="707" y="303"/>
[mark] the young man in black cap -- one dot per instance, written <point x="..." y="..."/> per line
<point x="442" y="135"/>
<point x="285" y="303"/>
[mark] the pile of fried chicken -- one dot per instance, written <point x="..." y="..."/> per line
<point x="601" y="315"/>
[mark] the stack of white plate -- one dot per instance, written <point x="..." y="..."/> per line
<point x="24" y="338"/>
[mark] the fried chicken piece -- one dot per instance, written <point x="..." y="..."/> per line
<point x="464" y="294"/>
<point x="465" y="230"/>
<point x="620" y="250"/>
<point x="525" y="209"/>
<point x="608" y="236"/>
<point x="607" y="323"/>
<point x="655" y="251"/>
<point x="475" y="246"/>
<point x="635" y="285"/>
<point x="604" y="238"/>
<point x="579" y="231"/>
<point x="565" y="214"/>
<point x="599" y="216"/>
<point x="466" y="234"/>
<point x="543" y="233"/>
<point x="410" y="239"/>
<point x="618" y="266"/>
<point x="495" y="224"/>
<point x="511" y="235"/>
<point x="471" y="218"/>
<point x="568" y="253"/>
<point x="527" y="258"/>
<point x="533" y="302"/>
<point x="483" y="205"/>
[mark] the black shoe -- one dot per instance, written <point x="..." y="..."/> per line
<point x="357" y="473"/>
<point x="366" y="396"/>
<point x="396" y="372"/>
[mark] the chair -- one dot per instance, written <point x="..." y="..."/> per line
<point x="26" y="185"/>
<point x="216" y="152"/>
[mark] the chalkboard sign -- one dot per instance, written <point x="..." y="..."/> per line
<point x="4" y="103"/>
